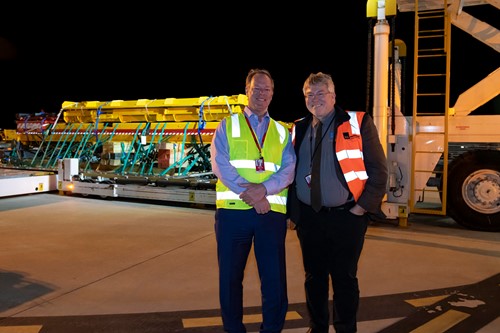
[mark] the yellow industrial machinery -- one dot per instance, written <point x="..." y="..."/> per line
<point x="118" y="120"/>
<point x="149" y="149"/>
<point x="99" y="147"/>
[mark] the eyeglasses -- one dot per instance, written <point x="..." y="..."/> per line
<point x="265" y="91"/>
<point x="321" y="94"/>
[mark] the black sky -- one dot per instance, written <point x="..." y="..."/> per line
<point x="146" y="51"/>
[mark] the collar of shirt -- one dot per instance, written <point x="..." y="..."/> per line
<point x="258" y="127"/>
<point x="254" y="119"/>
<point x="327" y="120"/>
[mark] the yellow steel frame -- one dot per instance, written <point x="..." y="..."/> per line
<point x="161" y="120"/>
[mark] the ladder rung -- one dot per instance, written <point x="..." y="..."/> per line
<point x="423" y="114"/>
<point x="434" y="211"/>
<point x="429" y="36"/>
<point x="440" y="15"/>
<point x="429" y="132"/>
<point x="432" y="30"/>
<point x="428" y="74"/>
<point x="441" y="49"/>
<point x="428" y="152"/>
<point x="431" y="55"/>
<point x="431" y="94"/>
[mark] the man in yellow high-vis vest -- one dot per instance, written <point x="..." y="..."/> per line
<point x="254" y="161"/>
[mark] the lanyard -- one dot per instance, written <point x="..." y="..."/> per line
<point x="259" y="147"/>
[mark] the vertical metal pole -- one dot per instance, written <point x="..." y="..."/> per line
<point x="381" y="73"/>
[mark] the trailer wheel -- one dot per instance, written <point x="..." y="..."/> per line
<point x="474" y="190"/>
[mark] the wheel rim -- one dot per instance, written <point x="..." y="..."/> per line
<point x="481" y="191"/>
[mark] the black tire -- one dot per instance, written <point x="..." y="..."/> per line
<point x="474" y="190"/>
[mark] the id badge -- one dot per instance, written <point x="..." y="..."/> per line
<point x="259" y="164"/>
<point x="308" y="180"/>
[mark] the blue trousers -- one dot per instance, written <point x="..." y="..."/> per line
<point x="236" y="231"/>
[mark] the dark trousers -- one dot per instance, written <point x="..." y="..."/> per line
<point x="236" y="231"/>
<point x="331" y="243"/>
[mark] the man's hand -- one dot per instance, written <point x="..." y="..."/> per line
<point x="253" y="193"/>
<point x="357" y="210"/>
<point x="263" y="206"/>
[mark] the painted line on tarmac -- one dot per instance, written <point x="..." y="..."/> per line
<point x="463" y="309"/>
<point x="466" y="308"/>
<point x="21" y="329"/>
<point x="217" y="321"/>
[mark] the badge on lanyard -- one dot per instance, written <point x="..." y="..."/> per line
<point x="308" y="180"/>
<point x="259" y="165"/>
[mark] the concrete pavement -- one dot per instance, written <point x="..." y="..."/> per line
<point x="75" y="264"/>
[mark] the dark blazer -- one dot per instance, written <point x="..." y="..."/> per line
<point x="373" y="156"/>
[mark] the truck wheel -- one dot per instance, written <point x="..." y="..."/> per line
<point x="474" y="190"/>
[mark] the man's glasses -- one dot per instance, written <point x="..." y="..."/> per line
<point x="321" y="94"/>
<point x="265" y="91"/>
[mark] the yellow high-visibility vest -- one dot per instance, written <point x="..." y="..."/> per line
<point x="243" y="153"/>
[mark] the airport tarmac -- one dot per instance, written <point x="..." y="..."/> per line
<point x="71" y="264"/>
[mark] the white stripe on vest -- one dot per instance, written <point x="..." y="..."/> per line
<point x="230" y="195"/>
<point x="354" y="123"/>
<point x="250" y="164"/>
<point x="351" y="175"/>
<point x="349" y="153"/>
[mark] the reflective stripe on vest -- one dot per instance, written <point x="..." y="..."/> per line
<point x="349" y="151"/>
<point x="230" y="195"/>
<point x="243" y="152"/>
<point x="239" y="164"/>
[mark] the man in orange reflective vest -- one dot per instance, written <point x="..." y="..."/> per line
<point x="351" y="170"/>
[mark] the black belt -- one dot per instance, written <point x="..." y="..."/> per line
<point x="346" y="206"/>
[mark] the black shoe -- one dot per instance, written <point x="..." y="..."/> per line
<point x="310" y="330"/>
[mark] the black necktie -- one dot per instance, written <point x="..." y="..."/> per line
<point x="315" y="172"/>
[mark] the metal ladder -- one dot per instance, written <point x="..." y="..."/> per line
<point x="431" y="94"/>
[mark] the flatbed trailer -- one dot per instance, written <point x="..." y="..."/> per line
<point x="20" y="182"/>
<point x="187" y="189"/>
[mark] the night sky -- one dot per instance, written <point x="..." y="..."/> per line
<point x="52" y="55"/>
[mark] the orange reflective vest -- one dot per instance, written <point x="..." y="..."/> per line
<point x="349" y="151"/>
